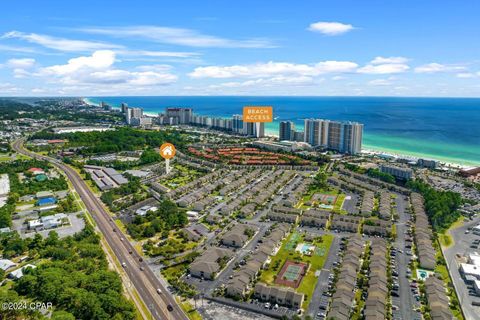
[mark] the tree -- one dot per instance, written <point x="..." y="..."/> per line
<point x="319" y="182"/>
<point x="62" y="315"/>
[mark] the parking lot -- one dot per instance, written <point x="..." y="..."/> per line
<point x="214" y="311"/>
<point x="405" y="297"/>
<point x="465" y="242"/>
<point x="76" y="225"/>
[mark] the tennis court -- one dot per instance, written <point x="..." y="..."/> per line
<point x="291" y="274"/>
<point x="328" y="198"/>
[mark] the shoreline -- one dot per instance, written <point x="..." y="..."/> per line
<point x="372" y="150"/>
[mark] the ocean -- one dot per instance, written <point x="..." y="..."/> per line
<point x="447" y="129"/>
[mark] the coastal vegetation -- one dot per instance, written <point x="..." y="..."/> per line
<point x="441" y="206"/>
<point x="149" y="156"/>
<point x="52" y="110"/>
<point x="377" y="174"/>
<point x="121" y="139"/>
<point x="124" y="195"/>
<point x="72" y="273"/>
<point x="167" y="217"/>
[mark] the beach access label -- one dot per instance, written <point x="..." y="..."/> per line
<point x="257" y="114"/>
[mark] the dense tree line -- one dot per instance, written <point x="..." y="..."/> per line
<point x="441" y="206"/>
<point x="132" y="187"/>
<point x="377" y="174"/>
<point x="73" y="275"/>
<point x="148" y="156"/>
<point x="319" y="181"/>
<point x="121" y="139"/>
<point x="166" y="218"/>
<point x="52" y="110"/>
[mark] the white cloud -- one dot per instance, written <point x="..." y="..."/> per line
<point x="261" y="70"/>
<point x="16" y="48"/>
<point x="178" y="36"/>
<point x="270" y="82"/>
<point x="389" y="60"/>
<point x="99" y="69"/>
<point x="60" y="44"/>
<point x="72" y="45"/>
<point x="21" y="63"/>
<point x="388" y="68"/>
<point x="380" y="82"/>
<point x="101" y="59"/>
<point x="157" y="54"/>
<point x="381" y="65"/>
<point x="20" y="73"/>
<point x="8" y="89"/>
<point x="437" y="67"/>
<point x="330" y="28"/>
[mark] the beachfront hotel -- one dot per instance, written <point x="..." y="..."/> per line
<point x="286" y="131"/>
<point x="345" y="137"/>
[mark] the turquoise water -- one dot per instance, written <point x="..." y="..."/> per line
<point x="447" y="129"/>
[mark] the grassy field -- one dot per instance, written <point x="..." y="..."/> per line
<point x="287" y="252"/>
<point x="445" y="238"/>
<point x="183" y="176"/>
<point x="191" y="312"/>
<point x="5" y="157"/>
<point x="339" y="203"/>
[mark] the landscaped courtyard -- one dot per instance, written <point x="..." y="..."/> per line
<point x="287" y="255"/>
<point x="323" y="199"/>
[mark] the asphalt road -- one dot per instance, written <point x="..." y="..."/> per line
<point x="405" y="301"/>
<point x="145" y="282"/>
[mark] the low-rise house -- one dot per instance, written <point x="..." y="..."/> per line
<point x="287" y="210"/>
<point x="377" y="227"/>
<point x="44" y="194"/>
<point x="238" y="236"/>
<point x="282" y="217"/>
<point x="345" y="223"/>
<point x="280" y="295"/>
<point x="6" y="264"/>
<point x="17" y="274"/>
<point x="145" y="209"/>
<point x="315" y="218"/>
<point x="437" y="299"/>
<point x="344" y="296"/>
<point x="191" y="234"/>
<point x="210" y="263"/>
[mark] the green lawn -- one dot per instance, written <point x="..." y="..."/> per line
<point x="183" y="176"/>
<point x="174" y="272"/>
<point x="190" y="310"/>
<point x="445" y="240"/>
<point x="316" y="262"/>
<point x="339" y="203"/>
<point x="336" y="206"/>
<point x="443" y="271"/>
<point x="4" y="158"/>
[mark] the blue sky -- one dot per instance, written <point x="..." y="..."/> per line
<point x="386" y="48"/>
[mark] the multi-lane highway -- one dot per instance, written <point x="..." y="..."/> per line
<point x="155" y="296"/>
